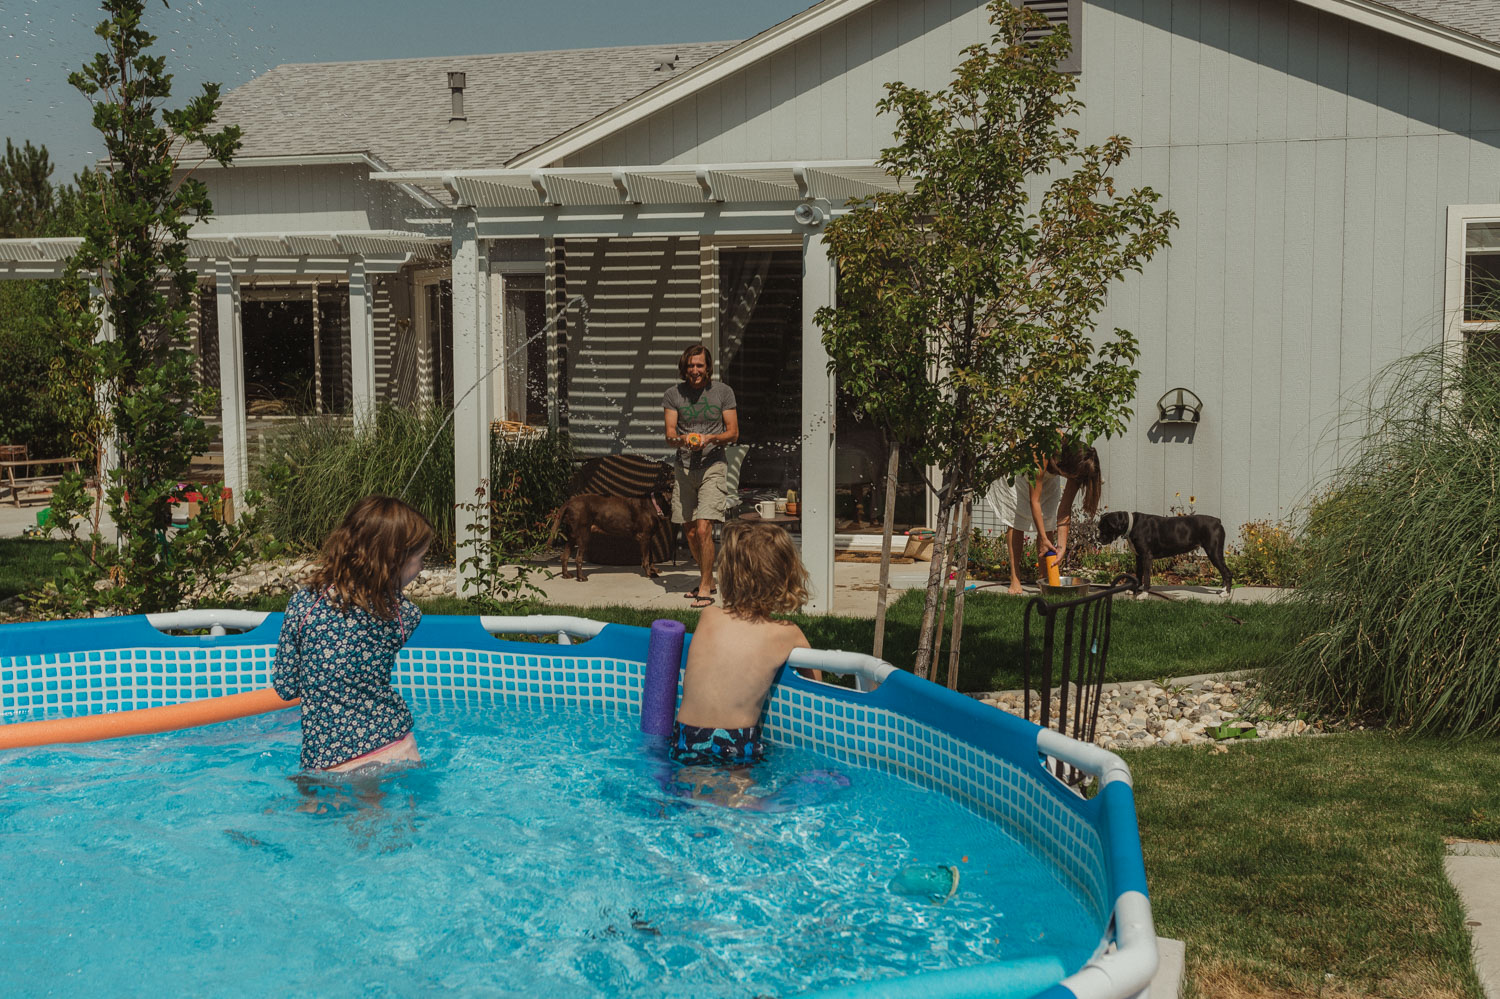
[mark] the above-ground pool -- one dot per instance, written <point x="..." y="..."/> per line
<point x="546" y="846"/>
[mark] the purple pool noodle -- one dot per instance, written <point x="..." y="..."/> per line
<point x="663" y="664"/>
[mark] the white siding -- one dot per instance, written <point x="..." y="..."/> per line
<point x="814" y="100"/>
<point x="1311" y="162"/>
<point x="296" y="199"/>
<point x="646" y="306"/>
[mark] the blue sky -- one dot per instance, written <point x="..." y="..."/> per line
<point x="231" y="41"/>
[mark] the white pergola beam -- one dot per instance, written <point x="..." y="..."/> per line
<point x="232" y="383"/>
<point x="361" y="345"/>
<point x="472" y="410"/>
<point x="603" y="221"/>
<point x="818" y="290"/>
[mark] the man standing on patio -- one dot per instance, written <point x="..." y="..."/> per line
<point x="701" y="418"/>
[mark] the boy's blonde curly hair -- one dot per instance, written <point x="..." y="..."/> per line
<point x="760" y="572"/>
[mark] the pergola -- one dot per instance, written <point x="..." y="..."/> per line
<point x="493" y="206"/>
<point x="699" y="200"/>
<point x="354" y="256"/>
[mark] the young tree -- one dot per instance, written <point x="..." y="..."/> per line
<point x="136" y="385"/>
<point x="1001" y="243"/>
<point x="880" y="354"/>
<point x="25" y="190"/>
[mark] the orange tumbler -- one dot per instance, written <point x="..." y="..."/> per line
<point x="1049" y="568"/>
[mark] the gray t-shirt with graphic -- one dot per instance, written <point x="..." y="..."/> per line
<point x="700" y="411"/>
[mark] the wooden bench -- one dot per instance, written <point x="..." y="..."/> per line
<point x="31" y="481"/>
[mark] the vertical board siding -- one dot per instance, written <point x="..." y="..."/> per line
<point x="1311" y="162"/>
<point x="290" y="199"/>
<point x="814" y="100"/>
<point x="645" y="306"/>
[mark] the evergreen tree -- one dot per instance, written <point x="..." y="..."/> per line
<point x="138" y="387"/>
<point x="26" y="194"/>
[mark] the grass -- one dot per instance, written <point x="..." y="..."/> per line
<point x="1314" y="867"/>
<point x="26" y="563"/>
<point x="1151" y="639"/>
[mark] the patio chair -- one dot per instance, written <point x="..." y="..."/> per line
<point x="1075" y="660"/>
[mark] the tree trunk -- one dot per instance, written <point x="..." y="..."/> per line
<point x="922" y="665"/>
<point x="960" y="576"/>
<point x="892" y="466"/>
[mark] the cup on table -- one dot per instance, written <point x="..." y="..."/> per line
<point x="766" y="509"/>
<point x="780" y="506"/>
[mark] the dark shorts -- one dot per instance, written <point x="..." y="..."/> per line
<point x="693" y="746"/>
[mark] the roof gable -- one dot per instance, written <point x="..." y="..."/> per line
<point x="1468" y="29"/>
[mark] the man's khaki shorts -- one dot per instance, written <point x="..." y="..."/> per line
<point x="701" y="494"/>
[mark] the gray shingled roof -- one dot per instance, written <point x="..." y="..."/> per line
<point x="1480" y="18"/>
<point x="398" y="109"/>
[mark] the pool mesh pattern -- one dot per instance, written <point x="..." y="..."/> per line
<point x="68" y="684"/>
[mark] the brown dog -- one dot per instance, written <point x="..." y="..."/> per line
<point x="588" y="513"/>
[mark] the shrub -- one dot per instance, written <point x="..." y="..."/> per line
<point x="312" y="471"/>
<point x="534" y="472"/>
<point x="1269" y="555"/>
<point x="1399" y="602"/>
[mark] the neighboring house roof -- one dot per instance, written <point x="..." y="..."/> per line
<point x="398" y="110"/>
<point x="1480" y="18"/>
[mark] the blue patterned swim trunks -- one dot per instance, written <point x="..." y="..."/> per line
<point x="696" y="747"/>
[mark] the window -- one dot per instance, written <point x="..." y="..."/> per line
<point x="1482" y="272"/>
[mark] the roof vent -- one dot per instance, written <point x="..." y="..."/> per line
<point x="668" y="65"/>
<point x="456" y="84"/>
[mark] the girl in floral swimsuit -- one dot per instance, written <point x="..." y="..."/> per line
<point x="341" y="634"/>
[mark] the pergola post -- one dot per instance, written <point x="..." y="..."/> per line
<point x="471" y="351"/>
<point x="232" y="381"/>
<point x="361" y="344"/>
<point x="109" y="446"/>
<point x="818" y="289"/>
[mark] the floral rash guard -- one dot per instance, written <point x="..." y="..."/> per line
<point x="340" y="665"/>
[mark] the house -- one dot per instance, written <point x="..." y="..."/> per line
<point x="395" y="230"/>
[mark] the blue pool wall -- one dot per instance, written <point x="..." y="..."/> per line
<point x="985" y="759"/>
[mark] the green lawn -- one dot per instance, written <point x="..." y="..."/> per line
<point x="1314" y="866"/>
<point x="25" y="564"/>
<point x="1151" y="639"/>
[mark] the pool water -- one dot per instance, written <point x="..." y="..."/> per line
<point x="536" y="851"/>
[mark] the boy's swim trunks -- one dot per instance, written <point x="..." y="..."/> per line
<point x="694" y="746"/>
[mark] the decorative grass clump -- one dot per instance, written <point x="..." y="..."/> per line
<point x="1399" y="601"/>
<point x="312" y="471"/>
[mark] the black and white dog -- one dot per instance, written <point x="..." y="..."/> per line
<point x="1154" y="537"/>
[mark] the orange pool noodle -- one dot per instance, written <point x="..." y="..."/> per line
<point x="189" y="714"/>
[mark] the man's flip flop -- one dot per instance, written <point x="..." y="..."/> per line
<point x="701" y="602"/>
<point x="694" y="595"/>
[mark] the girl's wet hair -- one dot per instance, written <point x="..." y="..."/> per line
<point x="1081" y="464"/>
<point x="363" y="557"/>
<point x="692" y="352"/>
<point x="760" y="572"/>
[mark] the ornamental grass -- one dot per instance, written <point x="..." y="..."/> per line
<point x="1399" y="596"/>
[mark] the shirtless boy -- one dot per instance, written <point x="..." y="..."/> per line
<point x="737" y="650"/>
